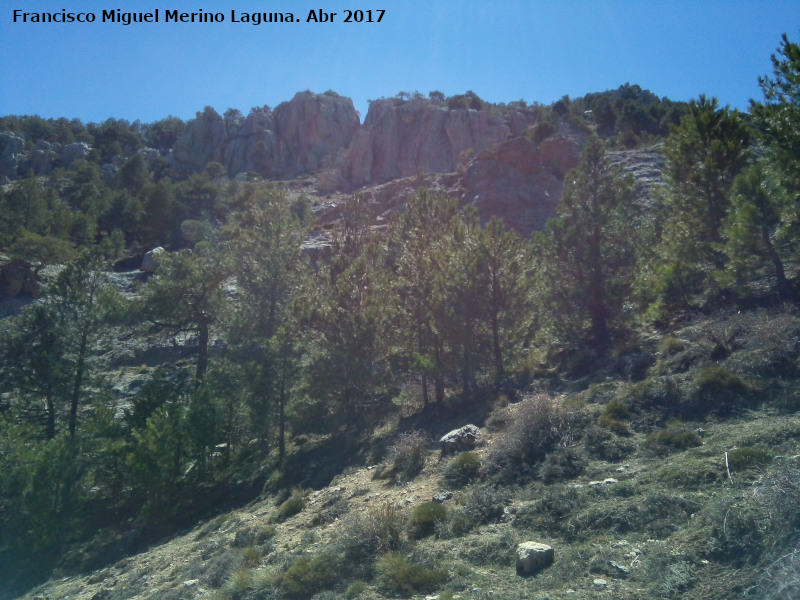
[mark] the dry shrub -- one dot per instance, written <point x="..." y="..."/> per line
<point x="364" y="535"/>
<point x="407" y="456"/>
<point x="539" y="424"/>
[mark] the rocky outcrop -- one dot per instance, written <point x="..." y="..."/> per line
<point x="203" y="141"/>
<point x="72" y="152"/>
<point x="520" y="181"/>
<point x="11" y="151"/>
<point x="17" y="277"/>
<point x="252" y="145"/>
<point x="400" y="138"/>
<point x="298" y="136"/>
<point x="312" y="129"/>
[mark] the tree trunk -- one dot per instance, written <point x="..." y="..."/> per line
<point x="78" y="383"/>
<point x="282" y="414"/>
<point x="50" y="430"/>
<point x="785" y="290"/>
<point x="202" y="349"/>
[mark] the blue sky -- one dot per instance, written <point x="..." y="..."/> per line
<point x="505" y="50"/>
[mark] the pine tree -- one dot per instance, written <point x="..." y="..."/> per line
<point x="591" y="244"/>
<point x="186" y="296"/>
<point x="507" y="264"/>
<point x="419" y="243"/>
<point x="273" y="276"/>
<point x="758" y="227"/>
<point x="704" y="155"/>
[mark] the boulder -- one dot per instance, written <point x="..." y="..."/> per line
<point x="463" y="438"/>
<point x="533" y="557"/>
<point x="152" y="260"/>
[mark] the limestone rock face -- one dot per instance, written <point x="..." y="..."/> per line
<point x="11" y="149"/>
<point x="401" y="138"/>
<point x="298" y="136"/>
<point x="203" y="141"/>
<point x="312" y="127"/>
<point x="532" y="557"/>
<point x="254" y="147"/>
<point x="72" y="152"/>
<point x="520" y="181"/>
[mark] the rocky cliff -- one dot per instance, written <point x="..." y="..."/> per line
<point x="400" y="138"/>
<point x="298" y="136"/>
<point x="484" y="155"/>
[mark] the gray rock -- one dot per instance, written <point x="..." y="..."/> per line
<point x="442" y="496"/>
<point x="520" y="181"/>
<point x="11" y="152"/>
<point x="600" y="584"/>
<point x="463" y="438"/>
<point x="301" y="135"/>
<point x="152" y="260"/>
<point x="72" y="152"/>
<point x="621" y="570"/>
<point x="533" y="557"/>
<point x="401" y="138"/>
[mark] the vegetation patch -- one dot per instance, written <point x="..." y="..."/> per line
<point x="424" y="518"/>
<point x="399" y="575"/>
<point x="291" y="506"/>
<point x="462" y="469"/>
<point x="308" y="575"/>
<point x="672" y="439"/>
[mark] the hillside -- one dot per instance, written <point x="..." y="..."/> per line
<point x="644" y="508"/>
<point x="230" y="347"/>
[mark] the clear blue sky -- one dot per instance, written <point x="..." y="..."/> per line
<point x="534" y="50"/>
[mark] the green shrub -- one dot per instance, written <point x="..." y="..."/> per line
<point x="398" y="575"/>
<point x="293" y="505"/>
<point x="603" y="444"/>
<point x="462" y="469"/>
<point x="562" y="463"/>
<point x="745" y="458"/>
<point x="239" y="583"/>
<point x="355" y="589"/>
<point x="459" y="522"/>
<point x="671" y="345"/>
<point x="251" y="557"/>
<point x="719" y="390"/>
<point x="486" y="504"/>
<point x="653" y="392"/>
<point x="425" y="517"/>
<point x="672" y="439"/>
<point x="543" y="130"/>
<point x="613" y="416"/>
<point x="308" y="575"/>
